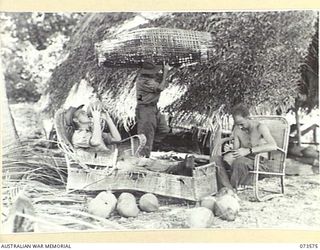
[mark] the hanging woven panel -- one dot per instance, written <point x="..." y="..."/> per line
<point x="174" y="46"/>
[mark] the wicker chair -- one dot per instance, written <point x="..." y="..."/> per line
<point x="130" y="146"/>
<point x="279" y="129"/>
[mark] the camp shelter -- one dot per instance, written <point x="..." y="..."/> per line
<point x="257" y="60"/>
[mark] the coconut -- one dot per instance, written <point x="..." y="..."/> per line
<point x="110" y="199"/>
<point x="99" y="208"/>
<point x="101" y="195"/>
<point x="226" y="207"/>
<point x="310" y="152"/>
<point x="149" y="203"/>
<point x="227" y="191"/>
<point x="295" y="150"/>
<point x="127" y="206"/>
<point x="126" y="196"/>
<point x="208" y="202"/>
<point x="200" y="217"/>
<point x="103" y="204"/>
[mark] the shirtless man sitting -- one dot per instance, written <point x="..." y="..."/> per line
<point x="88" y="134"/>
<point x="250" y="137"/>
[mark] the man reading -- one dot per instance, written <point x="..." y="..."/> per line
<point x="250" y="138"/>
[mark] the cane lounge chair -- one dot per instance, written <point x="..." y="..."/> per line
<point x="90" y="172"/>
<point x="87" y="160"/>
<point x="279" y="129"/>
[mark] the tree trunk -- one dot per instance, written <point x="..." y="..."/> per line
<point x="296" y="111"/>
<point x="8" y="133"/>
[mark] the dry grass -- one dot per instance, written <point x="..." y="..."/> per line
<point x="34" y="172"/>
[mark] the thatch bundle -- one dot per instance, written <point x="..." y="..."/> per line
<point x="257" y="60"/>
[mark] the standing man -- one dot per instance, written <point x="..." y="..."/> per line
<point x="250" y="137"/>
<point x="149" y="85"/>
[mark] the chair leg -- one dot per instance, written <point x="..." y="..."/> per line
<point x="269" y="196"/>
<point x="282" y="184"/>
<point x="256" y="187"/>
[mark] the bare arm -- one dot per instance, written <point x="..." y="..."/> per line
<point x="270" y="144"/>
<point x="96" y="132"/>
<point x="113" y="129"/>
<point x="164" y="82"/>
<point x="236" y="143"/>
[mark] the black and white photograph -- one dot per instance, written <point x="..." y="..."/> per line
<point x="130" y="121"/>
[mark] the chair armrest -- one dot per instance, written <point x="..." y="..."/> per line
<point x="223" y="140"/>
<point x="277" y="150"/>
<point x="139" y="136"/>
<point x="257" y="157"/>
<point x="280" y="150"/>
<point x="257" y="162"/>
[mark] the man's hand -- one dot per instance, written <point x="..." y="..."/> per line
<point x="106" y="115"/>
<point x="96" y="112"/>
<point x="241" y="152"/>
<point x="96" y="138"/>
<point x="166" y="67"/>
<point x="227" y="147"/>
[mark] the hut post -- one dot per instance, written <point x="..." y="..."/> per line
<point x="296" y="111"/>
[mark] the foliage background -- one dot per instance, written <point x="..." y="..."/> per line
<point x="32" y="45"/>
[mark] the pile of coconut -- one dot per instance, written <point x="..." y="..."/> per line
<point x="105" y="203"/>
<point x="225" y="205"/>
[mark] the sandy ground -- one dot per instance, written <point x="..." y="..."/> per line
<point x="298" y="209"/>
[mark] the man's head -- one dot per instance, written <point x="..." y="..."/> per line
<point x="240" y="115"/>
<point x="150" y="68"/>
<point x="77" y="117"/>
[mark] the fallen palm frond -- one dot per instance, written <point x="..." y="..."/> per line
<point x="32" y="179"/>
<point x="32" y="162"/>
<point x="52" y="213"/>
<point x="107" y="224"/>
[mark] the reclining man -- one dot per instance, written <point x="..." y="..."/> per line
<point x="88" y="133"/>
<point x="250" y="137"/>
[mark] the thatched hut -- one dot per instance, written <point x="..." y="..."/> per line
<point x="257" y="60"/>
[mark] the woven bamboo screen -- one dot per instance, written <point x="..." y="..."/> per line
<point x="175" y="46"/>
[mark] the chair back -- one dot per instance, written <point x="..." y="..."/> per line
<point x="279" y="129"/>
<point x="64" y="132"/>
<point x="80" y="156"/>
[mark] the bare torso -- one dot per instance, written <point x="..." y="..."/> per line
<point x="250" y="138"/>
